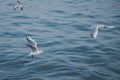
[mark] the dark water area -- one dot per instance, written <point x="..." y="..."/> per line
<point x="62" y="30"/>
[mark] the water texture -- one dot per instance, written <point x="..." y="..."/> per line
<point x="61" y="28"/>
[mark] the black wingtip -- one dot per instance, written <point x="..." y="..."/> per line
<point x="91" y="35"/>
<point x="21" y="8"/>
<point x="18" y="1"/>
<point x="14" y="8"/>
<point x="27" y="37"/>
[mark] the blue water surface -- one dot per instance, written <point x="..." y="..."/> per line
<point x="62" y="30"/>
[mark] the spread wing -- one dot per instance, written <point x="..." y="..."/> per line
<point x="110" y="26"/>
<point x="32" y="44"/>
<point x="33" y="49"/>
<point x="94" y="31"/>
<point x="31" y="41"/>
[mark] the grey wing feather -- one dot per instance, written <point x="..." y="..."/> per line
<point x="31" y="41"/>
<point x="33" y="49"/>
<point x="94" y="32"/>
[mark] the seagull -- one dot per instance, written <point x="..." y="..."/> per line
<point x="32" y="44"/>
<point x="19" y="6"/>
<point x="95" y="28"/>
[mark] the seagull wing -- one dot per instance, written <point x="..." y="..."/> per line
<point x="33" y="49"/>
<point x="110" y="26"/>
<point x="31" y="41"/>
<point x="94" y="31"/>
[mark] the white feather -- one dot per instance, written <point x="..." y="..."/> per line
<point x="110" y="26"/>
<point x="19" y="6"/>
<point x="95" y="28"/>
<point x="33" y="46"/>
<point x="94" y="32"/>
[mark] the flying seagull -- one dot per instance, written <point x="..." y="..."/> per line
<point x="32" y="44"/>
<point x="19" y="6"/>
<point x="95" y="28"/>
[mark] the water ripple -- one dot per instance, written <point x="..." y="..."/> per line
<point x="61" y="29"/>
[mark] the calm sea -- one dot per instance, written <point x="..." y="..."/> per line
<point x="62" y="30"/>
